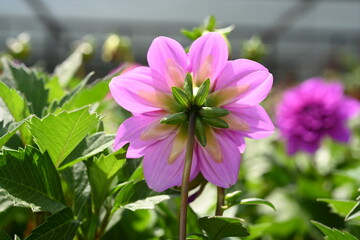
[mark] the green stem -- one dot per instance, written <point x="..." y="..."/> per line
<point x="220" y="201"/>
<point x="186" y="177"/>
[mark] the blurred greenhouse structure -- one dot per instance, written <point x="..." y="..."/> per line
<point x="303" y="35"/>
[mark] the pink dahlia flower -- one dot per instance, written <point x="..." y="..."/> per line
<point x="227" y="110"/>
<point x="312" y="111"/>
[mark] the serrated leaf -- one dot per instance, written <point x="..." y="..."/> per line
<point x="340" y="207"/>
<point x="15" y="103"/>
<point x="56" y="106"/>
<point x="86" y="96"/>
<point x="61" y="225"/>
<point x="217" y="227"/>
<point x="257" y="201"/>
<point x="67" y="69"/>
<point x="30" y="179"/>
<point x="31" y="84"/>
<point x="4" y="235"/>
<point x="17" y="106"/>
<point x="102" y="172"/>
<point x="8" y="130"/>
<point x="332" y="233"/>
<point x="88" y="147"/>
<point x="137" y="195"/>
<point x="354" y="212"/>
<point x="56" y="92"/>
<point x="60" y="134"/>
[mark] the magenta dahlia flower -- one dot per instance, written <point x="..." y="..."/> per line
<point x="224" y="94"/>
<point x="312" y="111"/>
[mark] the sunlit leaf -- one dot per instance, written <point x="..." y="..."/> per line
<point x="67" y="69"/>
<point x="340" y="207"/>
<point x="30" y="179"/>
<point x="354" y="212"/>
<point x="7" y="130"/>
<point x="102" y="172"/>
<point x="60" y="134"/>
<point x="88" y="147"/>
<point x="332" y="233"/>
<point x="257" y="201"/>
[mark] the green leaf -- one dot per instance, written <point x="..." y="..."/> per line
<point x="354" y="212"/>
<point x="86" y="96"/>
<point x="333" y="234"/>
<point x="15" y="103"/>
<point x="174" y="119"/>
<point x="56" y="92"/>
<point x="79" y="186"/>
<point x="102" y="172"/>
<point x="202" y="93"/>
<point x="56" y="106"/>
<point x="88" y="147"/>
<point x="8" y="130"/>
<point x="4" y="235"/>
<point x="181" y="97"/>
<point x="257" y="201"/>
<point x="30" y="179"/>
<point x="61" y="225"/>
<point x="60" y="134"/>
<point x="215" y="122"/>
<point x="217" y="227"/>
<point x="233" y="198"/>
<point x="18" y="108"/>
<point x="31" y="84"/>
<point x="340" y="207"/>
<point x="212" y="112"/>
<point x="137" y="195"/>
<point x="67" y="69"/>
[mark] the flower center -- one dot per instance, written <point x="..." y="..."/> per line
<point x="194" y="100"/>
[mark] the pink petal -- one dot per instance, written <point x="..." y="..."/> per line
<point x="340" y="133"/>
<point x="225" y="173"/>
<point x="130" y="131"/>
<point x="248" y="75"/>
<point x="255" y="117"/>
<point x="168" y="58"/>
<point x="349" y="107"/>
<point x="138" y="92"/>
<point x="159" y="174"/>
<point x="207" y="57"/>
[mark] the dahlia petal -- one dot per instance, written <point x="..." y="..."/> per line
<point x="130" y="131"/>
<point x="138" y="92"/>
<point x="207" y="57"/>
<point x="349" y="108"/>
<point x="252" y="121"/>
<point x="159" y="173"/>
<point x="224" y="173"/>
<point x="340" y="133"/>
<point x="169" y="59"/>
<point x="248" y="75"/>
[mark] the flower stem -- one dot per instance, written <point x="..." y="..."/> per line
<point x="186" y="176"/>
<point x="220" y="201"/>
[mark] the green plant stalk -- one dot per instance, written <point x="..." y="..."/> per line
<point x="220" y="201"/>
<point x="186" y="176"/>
